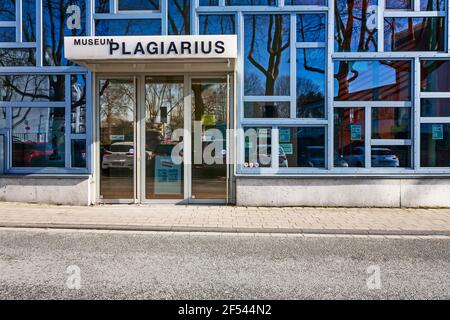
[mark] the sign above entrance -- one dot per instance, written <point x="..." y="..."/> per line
<point x="150" y="47"/>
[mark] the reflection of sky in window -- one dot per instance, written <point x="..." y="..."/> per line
<point x="310" y="28"/>
<point x="371" y="74"/>
<point x="127" y="27"/>
<point x="178" y="17"/>
<point x="311" y="68"/>
<point x="217" y="24"/>
<point x="54" y="20"/>
<point x="7" y="34"/>
<point x="29" y="20"/>
<point x="7" y="10"/>
<point x="259" y="71"/>
<point x="208" y="2"/>
<point x="249" y="2"/>
<point x="139" y="5"/>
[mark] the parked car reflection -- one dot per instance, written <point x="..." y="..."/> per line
<point x="120" y="155"/>
<point x="380" y="157"/>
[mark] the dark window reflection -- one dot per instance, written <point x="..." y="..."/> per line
<point x="435" y="107"/>
<point x="266" y="109"/>
<point x="302" y="147"/>
<point x="78" y="104"/>
<point x="32" y="88"/>
<point x="305" y="2"/>
<point x="38" y="137"/>
<point x="391" y="123"/>
<point x="17" y="57"/>
<point x="217" y="24"/>
<point x="250" y="2"/>
<point x="414" y="34"/>
<point x="208" y="2"/>
<point x="134" y="27"/>
<point x="349" y="137"/>
<point x="138" y="5"/>
<point x="372" y="80"/>
<point x="78" y="148"/>
<point x="432" y="5"/>
<point x="266" y="55"/>
<point x="390" y="156"/>
<point x="311" y="28"/>
<point x="310" y="83"/>
<point x="7" y="34"/>
<point x="399" y="4"/>
<point x="28" y="20"/>
<point x="435" y="145"/>
<point x="102" y="6"/>
<point x="7" y="10"/>
<point x="356" y="25"/>
<point x="59" y="20"/>
<point x="435" y="75"/>
<point x="179" y="17"/>
<point x="3" y="122"/>
<point x="258" y="147"/>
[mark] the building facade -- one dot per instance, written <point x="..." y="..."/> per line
<point x="322" y="102"/>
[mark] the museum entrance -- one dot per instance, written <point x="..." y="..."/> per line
<point x="163" y="138"/>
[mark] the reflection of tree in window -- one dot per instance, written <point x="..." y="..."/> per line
<point x="179" y="17"/>
<point x="267" y="63"/>
<point x="32" y="88"/>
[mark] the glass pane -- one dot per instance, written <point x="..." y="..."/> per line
<point x="250" y="2"/>
<point x="436" y="107"/>
<point x="349" y="137"/>
<point x="61" y="18"/>
<point x="399" y="4"/>
<point x="356" y="25"/>
<point x="208" y="2"/>
<point x="217" y="24"/>
<point x="7" y="10"/>
<point x="3" y="122"/>
<point x="138" y="5"/>
<point x="391" y="123"/>
<point x="2" y="154"/>
<point x="179" y="17"/>
<point x="311" y="28"/>
<point x="38" y="137"/>
<point x="117" y="146"/>
<point x="311" y="83"/>
<point x="209" y="153"/>
<point x="266" y="65"/>
<point x="78" y="148"/>
<point x="78" y="104"/>
<point x="302" y="147"/>
<point x="32" y="88"/>
<point x="305" y="2"/>
<point x="17" y="57"/>
<point x="372" y="80"/>
<point x="432" y="5"/>
<point x="102" y="6"/>
<point x="7" y="34"/>
<point x="435" y="145"/>
<point x="28" y="20"/>
<point x="164" y="122"/>
<point x="391" y="156"/>
<point x="434" y="75"/>
<point x="267" y="109"/>
<point x="258" y="148"/>
<point x="135" y="27"/>
<point x="414" y="34"/>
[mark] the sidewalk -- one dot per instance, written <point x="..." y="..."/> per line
<point x="229" y="219"/>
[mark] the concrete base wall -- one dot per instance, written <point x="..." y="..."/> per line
<point x="50" y="190"/>
<point x="343" y="192"/>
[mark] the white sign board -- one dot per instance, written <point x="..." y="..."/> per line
<point x="150" y="47"/>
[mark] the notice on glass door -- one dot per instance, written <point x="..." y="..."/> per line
<point x="167" y="176"/>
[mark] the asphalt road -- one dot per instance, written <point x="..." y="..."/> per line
<point x="127" y="265"/>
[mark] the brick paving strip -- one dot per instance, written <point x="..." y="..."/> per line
<point x="357" y="221"/>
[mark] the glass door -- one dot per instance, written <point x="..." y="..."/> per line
<point x="209" y="175"/>
<point x="117" y="113"/>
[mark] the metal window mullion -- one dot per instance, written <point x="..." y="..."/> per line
<point x="221" y="3"/>
<point x="281" y="3"/>
<point x="416" y="115"/>
<point x="67" y="121"/>
<point x="293" y="65"/>
<point x="390" y="142"/>
<point x="329" y="88"/>
<point x="164" y="17"/>
<point x="19" y="25"/>
<point x="187" y="139"/>
<point x="112" y="6"/>
<point x="380" y="25"/>
<point x="416" y="6"/>
<point x="240" y="90"/>
<point x="39" y="34"/>
<point x="435" y="120"/>
<point x="275" y="148"/>
<point x="90" y="10"/>
<point x="367" y="136"/>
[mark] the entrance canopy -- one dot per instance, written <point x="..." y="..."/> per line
<point x="153" y="53"/>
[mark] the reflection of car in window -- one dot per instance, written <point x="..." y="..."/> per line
<point x="120" y="155"/>
<point x="36" y="154"/>
<point x="384" y="157"/>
